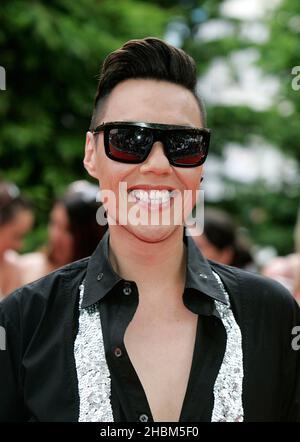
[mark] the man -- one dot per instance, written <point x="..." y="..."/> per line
<point x="146" y="329"/>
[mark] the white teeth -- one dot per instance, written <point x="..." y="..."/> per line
<point x="153" y="196"/>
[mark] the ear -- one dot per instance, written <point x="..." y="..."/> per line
<point x="89" y="160"/>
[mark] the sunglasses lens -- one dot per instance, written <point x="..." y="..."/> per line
<point x="129" y="143"/>
<point x="187" y="149"/>
<point x="132" y="143"/>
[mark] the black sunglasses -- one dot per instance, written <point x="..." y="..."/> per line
<point x="125" y="142"/>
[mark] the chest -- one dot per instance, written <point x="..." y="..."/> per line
<point x="162" y="354"/>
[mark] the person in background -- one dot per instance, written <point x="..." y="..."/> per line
<point x="73" y="232"/>
<point x="286" y="269"/>
<point x="221" y="240"/>
<point x="16" y="219"/>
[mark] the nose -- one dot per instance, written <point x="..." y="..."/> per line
<point x="157" y="162"/>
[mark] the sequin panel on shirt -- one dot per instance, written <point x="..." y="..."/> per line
<point x="94" y="383"/>
<point x="228" y="387"/>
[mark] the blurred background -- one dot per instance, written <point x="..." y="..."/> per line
<point x="245" y="51"/>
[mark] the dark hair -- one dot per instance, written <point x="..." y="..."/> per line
<point x="222" y="232"/>
<point x="11" y="202"/>
<point x="80" y="202"/>
<point x="148" y="58"/>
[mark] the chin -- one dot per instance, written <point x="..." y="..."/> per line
<point x="151" y="234"/>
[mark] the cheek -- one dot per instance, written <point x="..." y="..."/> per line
<point x="4" y="242"/>
<point x="108" y="171"/>
<point x="109" y="178"/>
<point x="67" y="239"/>
<point x="111" y="173"/>
<point x="7" y="235"/>
<point x="190" y="180"/>
<point x="190" y="177"/>
<point x="64" y="247"/>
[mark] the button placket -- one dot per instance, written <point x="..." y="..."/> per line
<point x="203" y="275"/>
<point x="99" y="276"/>
<point x="143" y="418"/>
<point x="127" y="290"/>
<point x="118" y="352"/>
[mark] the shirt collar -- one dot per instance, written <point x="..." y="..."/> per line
<point x="101" y="278"/>
<point x="199" y="273"/>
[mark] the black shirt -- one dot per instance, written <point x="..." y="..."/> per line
<point x="38" y="377"/>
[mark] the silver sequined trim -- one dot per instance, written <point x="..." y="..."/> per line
<point x="93" y="375"/>
<point x="94" y="382"/>
<point x="228" y="387"/>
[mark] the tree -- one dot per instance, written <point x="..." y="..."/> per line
<point x="268" y="214"/>
<point x="52" y="52"/>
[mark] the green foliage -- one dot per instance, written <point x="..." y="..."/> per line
<point x="279" y="56"/>
<point x="268" y="218"/>
<point x="279" y="125"/>
<point x="52" y="52"/>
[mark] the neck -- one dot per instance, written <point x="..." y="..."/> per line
<point x="154" y="266"/>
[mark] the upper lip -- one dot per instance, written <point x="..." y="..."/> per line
<point x="148" y="187"/>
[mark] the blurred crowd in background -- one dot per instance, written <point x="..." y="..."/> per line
<point x="73" y="233"/>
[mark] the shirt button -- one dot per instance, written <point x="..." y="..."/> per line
<point x="143" y="418"/>
<point x="203" y="276"/>
<point x="127" y="289"/>
<point x="118" y="352"/>
<point x="99" y="277"/>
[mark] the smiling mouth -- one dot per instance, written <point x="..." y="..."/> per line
<point x="152" y="197"/>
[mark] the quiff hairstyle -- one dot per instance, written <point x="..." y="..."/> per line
<point x="148" y="58"/>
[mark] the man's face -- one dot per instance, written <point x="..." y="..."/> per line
<point x="148" y="101"/>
